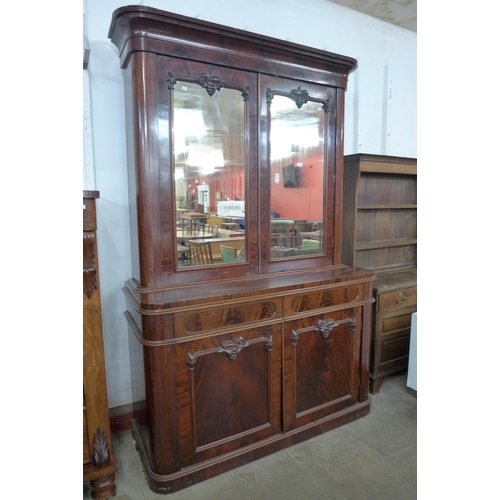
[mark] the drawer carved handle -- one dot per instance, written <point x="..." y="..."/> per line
<point x="230" y="347"/>
<point x="401" y="299"/>
<point x="324" y="327"/>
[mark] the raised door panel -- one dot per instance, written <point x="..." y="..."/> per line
<point x="321" y="365"/>
<point x="229" y="392"/>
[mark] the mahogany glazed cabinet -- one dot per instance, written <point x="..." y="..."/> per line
<point x="235" y="146"/>
<point x="99" y="461"/>
<point x="380" y="233"/>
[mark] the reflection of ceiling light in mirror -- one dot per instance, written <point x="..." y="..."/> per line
<point x="206" y="160"/>
<point x="187" y="123"/>
<point x="207" y="170"/>
<point x="282" y="103"/>
<point x="284" y="139"/>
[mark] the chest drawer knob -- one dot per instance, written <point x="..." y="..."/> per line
<point x="401" y="299"/>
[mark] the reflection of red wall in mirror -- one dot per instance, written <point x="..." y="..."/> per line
<point x="305" y="200"/>
<point x="301" y="202"/>
<point x="230" y="186"/>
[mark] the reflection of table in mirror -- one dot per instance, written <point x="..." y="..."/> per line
<point x="191" y="218"/>
<point x="184" y="236"/>
<point x="228" y="233"/>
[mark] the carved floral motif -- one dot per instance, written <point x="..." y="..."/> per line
<point x="100" y="449"/>
<point x="230" y="347"/>
<point x="324" y="327"/>
<point x="210" y="83"/>
<point x="89" y="264"/>
<point x="233" y="347"/>
<point x="299" y="96"/>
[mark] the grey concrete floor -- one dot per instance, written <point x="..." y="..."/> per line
<point x="374" y="458"/>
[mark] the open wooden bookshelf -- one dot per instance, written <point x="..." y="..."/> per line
<point x="379" y="233"/>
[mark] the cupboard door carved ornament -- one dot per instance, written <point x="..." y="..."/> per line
<point x="323" y="327"/>
<point x="299" y="97"/>
<point x="231" y="348"/>
<point x="206" y="81"/>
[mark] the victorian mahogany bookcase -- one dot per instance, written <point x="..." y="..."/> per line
<point x="241" y="358"/>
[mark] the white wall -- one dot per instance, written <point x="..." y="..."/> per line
<point x="380" y="118"/>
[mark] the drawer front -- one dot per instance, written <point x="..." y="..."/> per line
<point x="188" y="323"/>
<point x="392" y="323"/>
<point x="315" y="301"/>
<point x="398" y="299"/>
<point x="394" y="348"/>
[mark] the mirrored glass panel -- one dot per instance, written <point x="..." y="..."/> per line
<point x="209" y="158"/>
<point x="297" y="134"/>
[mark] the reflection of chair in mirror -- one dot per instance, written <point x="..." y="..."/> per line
<point x="213" y="220"/>
<point x="242" y="256"/>
<point x="309" y="247"/>
<point x="310" y="244"/>
<point x="228" y="253"/>
<point x="282" y="233"/>
<point x="200" y="252"/>
<point x="213" y="230"/>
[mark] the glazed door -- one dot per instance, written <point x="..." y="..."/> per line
<point x="321" y="365"/>
<point x="298" y="168"/>
<point x="229" y="391"/>
<point x="207" y="120"/>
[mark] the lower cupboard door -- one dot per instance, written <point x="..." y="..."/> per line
<point x="229" y="392"/>
<point x="321" y="365"/>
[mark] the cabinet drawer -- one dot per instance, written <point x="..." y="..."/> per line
<point x="399" y="298"/>
<point x="311" y="301"/>
<point x="391" y="323"/>
<point x="395" y="348"/>
<point x="191" y="322"/>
